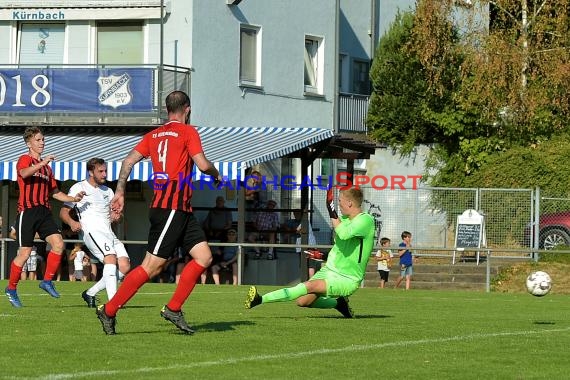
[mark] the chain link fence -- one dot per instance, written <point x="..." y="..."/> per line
<point x="430" y="214"/>
<point x="554" y="221"/>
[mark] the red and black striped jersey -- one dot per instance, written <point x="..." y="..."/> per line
<point x="36" y="189"/>
<point x="170" y="148"/>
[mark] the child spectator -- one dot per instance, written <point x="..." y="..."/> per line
<point x="78" y="256"/>
<point x="384" y="258"/>
<point x="31" y="266"/>
<point x="406" y="259"/>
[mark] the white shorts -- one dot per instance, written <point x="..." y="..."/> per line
<point x="101" y="244"/>
<point x="31" y="264"/>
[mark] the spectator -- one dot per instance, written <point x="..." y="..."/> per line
<point x="80" y="259"/>
<point x="31" y="266"/>
<point x="228" y="261"/>
<point x="406" y="260"/>
<point x="295" y="225"/>
<point x="219" y="220"/>
<point x="68" y="234"/>
<point x="183" y="259"/>
<point x="216" y="259"/>
<point x="384" y="259"/>
<point x="252" y="195"/>
<point x="266" y="225"/>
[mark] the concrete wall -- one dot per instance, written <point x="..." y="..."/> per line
<point x="217" y="98"/>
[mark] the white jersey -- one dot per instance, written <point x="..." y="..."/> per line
<point x="94" y="210"/>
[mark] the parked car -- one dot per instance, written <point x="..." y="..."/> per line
<point x="554" y="230"/>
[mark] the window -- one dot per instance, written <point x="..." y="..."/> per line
<point x="361" y="77"/>
<point x="120" y="43"/>
<point x="41" y="43"/>
<point x="250" y="56"/>
<point x="314" y="65"/>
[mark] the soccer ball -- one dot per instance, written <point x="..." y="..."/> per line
<point x="538" y="283"/>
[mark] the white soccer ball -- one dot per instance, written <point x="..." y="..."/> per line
<point x="538" y="283"/>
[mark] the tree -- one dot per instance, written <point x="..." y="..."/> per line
<point x="486" y="79"/>
<point x="405" y="108"/>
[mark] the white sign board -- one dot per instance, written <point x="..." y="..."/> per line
<point x="469" y="232"/>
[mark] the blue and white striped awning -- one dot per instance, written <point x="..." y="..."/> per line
<point x="231" y="150"/>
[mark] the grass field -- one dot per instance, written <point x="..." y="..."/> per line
<point x="418" y="334"/>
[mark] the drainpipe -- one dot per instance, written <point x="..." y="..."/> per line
<point x="335" y="64"/>
<point x="161" y="69"/>
<point x="372" y="33"/>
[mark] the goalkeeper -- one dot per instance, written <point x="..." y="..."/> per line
<point x="346" y="264"/>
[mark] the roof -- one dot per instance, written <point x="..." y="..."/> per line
<point x="231" y="149"/>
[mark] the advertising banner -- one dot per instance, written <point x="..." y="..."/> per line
<point x="76" y="90"/>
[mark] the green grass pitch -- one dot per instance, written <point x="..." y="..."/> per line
<point x="397" y="334"/>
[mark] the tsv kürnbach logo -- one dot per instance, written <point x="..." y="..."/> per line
<point x="114" y="90"/>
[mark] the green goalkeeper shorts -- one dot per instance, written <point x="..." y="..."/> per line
<point x="337" y="285"/>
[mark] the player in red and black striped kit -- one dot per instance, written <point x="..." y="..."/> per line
<point x="174" y="148"/>
<point x="36" y="183"/>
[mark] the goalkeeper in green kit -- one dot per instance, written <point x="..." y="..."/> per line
<point x="346" y="264"/>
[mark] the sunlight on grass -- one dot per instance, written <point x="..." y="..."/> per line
<point x="437" y="334"/>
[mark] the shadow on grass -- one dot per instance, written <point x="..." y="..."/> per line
<point x="544" y="323"/>
<point x="357" y="316"/>
<point x="222" y="326"/>
<point x="123" y="308"/>
<point x="202" y="328"/>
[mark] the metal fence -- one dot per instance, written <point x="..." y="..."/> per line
<point x="430" y="214"/>
<point x="518" y="222"/>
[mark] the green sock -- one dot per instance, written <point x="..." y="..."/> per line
<point x="324" y="303"/>
<point x="285" y="294"/>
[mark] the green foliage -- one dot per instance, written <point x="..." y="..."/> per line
<point x="397" y="80"/>
<point x="476" y="98"/>
<point x="556" y="257"/>
<point x="542" y="165"/>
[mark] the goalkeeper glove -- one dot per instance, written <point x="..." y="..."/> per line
<point x="330" y="204"/>
<point x="315" y="255"/>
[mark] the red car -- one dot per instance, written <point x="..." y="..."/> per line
<point x="554" y="230"/>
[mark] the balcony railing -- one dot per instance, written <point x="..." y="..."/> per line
<point x="353" y="109"/>
<point x="61" y="95"/>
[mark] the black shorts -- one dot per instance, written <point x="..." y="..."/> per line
<point x="384" y="274"/>
<point x="170" y="229"/>
<point x="315" y="264"/>
<point x="34" y="220"/>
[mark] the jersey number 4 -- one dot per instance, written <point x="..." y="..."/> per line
<point x="162" y="151"/>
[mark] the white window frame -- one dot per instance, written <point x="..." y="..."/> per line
<point x="256" y="81"/>
<point x="314" y="62"/>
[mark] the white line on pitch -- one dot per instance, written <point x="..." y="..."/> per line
<point x="289" y="355"/>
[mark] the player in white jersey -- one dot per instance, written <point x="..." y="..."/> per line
<point x="94" y="218"/>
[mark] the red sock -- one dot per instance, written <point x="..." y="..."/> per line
<point x="188" y="278"/>
<point x="15" y="273"/>
<point x="131" y="284"/>
<point x="52" y="265"/>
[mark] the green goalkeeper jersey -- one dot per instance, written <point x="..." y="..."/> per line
<point x="353" y="243"/>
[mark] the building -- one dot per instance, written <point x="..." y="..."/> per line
<point x="276" y="84"/>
